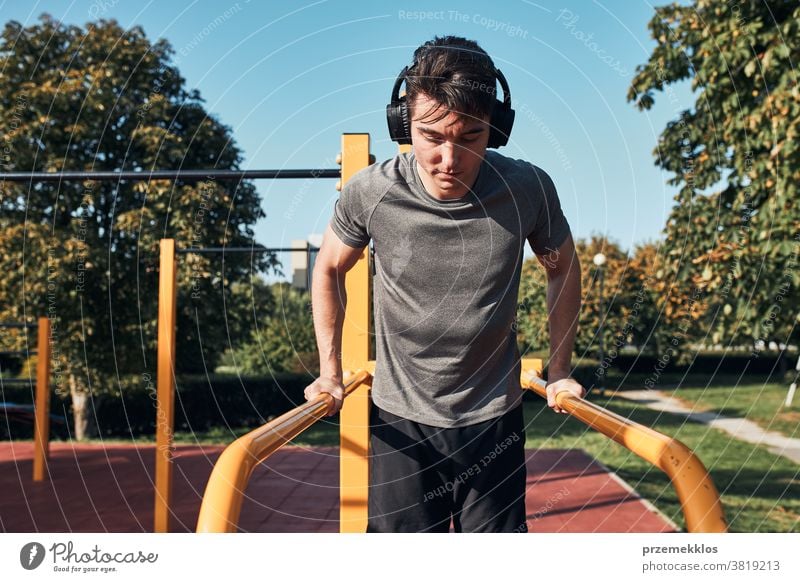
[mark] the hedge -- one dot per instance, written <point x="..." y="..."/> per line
<point x="200" y="403"/>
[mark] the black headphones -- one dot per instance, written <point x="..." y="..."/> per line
<point x="501" y="121"/>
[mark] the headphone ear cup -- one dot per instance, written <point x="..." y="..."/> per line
<point x="399" y="123"/>
<point x="502" y="121"/>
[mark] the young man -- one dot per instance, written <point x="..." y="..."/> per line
<point x="449" y="224"/>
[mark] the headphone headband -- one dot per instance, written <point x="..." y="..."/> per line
<point x="504" y="84"/>
<point x="398" y="82"/>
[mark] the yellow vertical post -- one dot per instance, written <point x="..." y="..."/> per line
<point x="354" y="416"/>
<point x="41" y="436"/>
<point x="535" y="365"/>
<point x="167" y="304"/>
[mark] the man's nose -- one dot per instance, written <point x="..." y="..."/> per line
<point x="449" y="156"/>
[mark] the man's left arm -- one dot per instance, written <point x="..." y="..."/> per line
<point x="563" y="307"/>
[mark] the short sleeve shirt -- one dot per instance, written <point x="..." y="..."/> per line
<point x="446" y="283"/>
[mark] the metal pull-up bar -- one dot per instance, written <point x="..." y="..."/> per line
<point x="354" y="156"/>
<point x="253" y="249"/>
<point x="185" y="175"/>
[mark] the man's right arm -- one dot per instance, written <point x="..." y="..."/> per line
<point x="328" y="300"/>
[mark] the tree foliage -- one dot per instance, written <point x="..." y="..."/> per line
<point x="731" y="243"/>
<point x="627" y="308"/>
<point x="86" y="254"/>
<point x="283" y="338"/>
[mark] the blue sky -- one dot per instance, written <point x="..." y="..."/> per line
<point x="291" y="77"/>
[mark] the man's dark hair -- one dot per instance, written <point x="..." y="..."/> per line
<point x="456" y="73"/>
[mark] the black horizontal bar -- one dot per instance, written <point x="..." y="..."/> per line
<point x="186" y="175"/>
<point x="18" y="353"/>
<point x="208" y="250"/>
<point x="17" y="381"/>
<point x="17" y="324"/>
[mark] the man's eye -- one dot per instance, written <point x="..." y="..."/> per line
<point x="432" y="139"/>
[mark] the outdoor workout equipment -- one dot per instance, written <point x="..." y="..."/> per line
<point x="696" y="492"/>
<point x="355" y="156"/>
<point x="41" y="425"/>
<point x="222" y="501"/>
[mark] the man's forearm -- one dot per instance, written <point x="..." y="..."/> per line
<point x="563" y="307"/>
<point x="328" y="299"/>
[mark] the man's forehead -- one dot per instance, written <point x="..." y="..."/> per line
<point x="430" y="114"/>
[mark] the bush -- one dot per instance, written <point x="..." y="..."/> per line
<point x="200" y="403"/>
<point x="707" y="363"/>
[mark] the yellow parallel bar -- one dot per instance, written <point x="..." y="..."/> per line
<point x="222" y="501"/>
<point x="354" y="416"/>
<point x="165" y="415"/>
<point x="696" y="491"/>
<point x="41" y="443"/>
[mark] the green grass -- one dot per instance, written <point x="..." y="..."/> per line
<point x="323" y="433"/>
<point x="760" y="402"/>
<point x="760" y="491"/>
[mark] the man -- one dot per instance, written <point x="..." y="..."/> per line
<point x="449" y="222"/>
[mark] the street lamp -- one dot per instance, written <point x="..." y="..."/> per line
<point x="599" y="260"/>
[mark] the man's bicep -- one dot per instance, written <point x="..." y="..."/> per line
<point x="560" y="259"/>
<point x="550" y="227"/>
<point x="337" y="255"/>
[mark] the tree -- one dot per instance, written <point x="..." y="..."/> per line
<point x="732" y="240"/>
<point x="531" y="319"/>
<point x="283" y="339"/>
<point x="86" y="254"/>
<point x="650" y="321"/>
<point x="628" y="311"/>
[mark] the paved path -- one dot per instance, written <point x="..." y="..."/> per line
<point x="739" y="428"/>
<point x="95" y="488"/>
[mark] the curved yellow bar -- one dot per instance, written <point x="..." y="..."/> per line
<point x="696" y="491"/>
<point x="222" y="501"/>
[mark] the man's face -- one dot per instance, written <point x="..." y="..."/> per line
<point x="449" y="152"/>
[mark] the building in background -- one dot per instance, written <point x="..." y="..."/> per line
<point x="303" y="263"/>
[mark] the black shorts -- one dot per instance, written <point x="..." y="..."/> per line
<point x="421" y="476"/>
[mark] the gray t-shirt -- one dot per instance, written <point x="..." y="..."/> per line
<point x="446" y="283"/>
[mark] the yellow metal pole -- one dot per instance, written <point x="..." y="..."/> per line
<point x="696" y="491"/>
<point x="41" y="443"/>
<point x="354" y="416"/>
<point x="222" y="500"/>
<point x="167" y="304"/>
